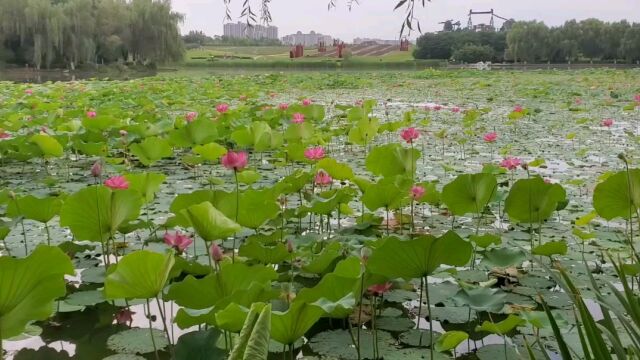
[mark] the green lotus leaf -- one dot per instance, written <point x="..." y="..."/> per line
<point x="258" y="136"/>
<point x="392" y="159"/>
<point x="332" y="288"/>
<point x="504" y="257"/>
<point x="365" y="130"/>
<point x="139" y="275"/>
<point x="264" y="253"/>
<point x="151" y="149"/>
<point x="551" y="248"/>
<point x="480" y="298"/>
<point x="486" y="240"/>
<point x="209" y="223"/>
<point x="502" y="327"/>
<point x="248" y="177"/>
<point x="211" y="151"/>
<point x="469" y="193"/>
<point x="336" y="170"/>
<point x="327" y="202"/>
<point x="256" y="206"/>
<point x="321" y="263"/>
<point x="420" y="256"/>
<point x="291" y="325"/>
<point x="95" y="212"/>
<point x="231" y="284"/>
<point x="200" y="131"/>
<point x="200" y="345"/>
<point x="48" y="145"/>
<point x="101" y="122"/>
<point x="253" y="343"/>
<point x="29" y="286"/>
<point x="137" y="341"/>
<point x="386" y="193"/>
<point x="533" y="200"/>
<point x="618" y="195"/>
<point x="146" y="184"/>
<point x="31" y="207"/>
<point x="450" y="340"/>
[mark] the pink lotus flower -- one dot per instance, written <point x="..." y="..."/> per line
<point x="217" y="254"/>
<point x="637" y="98"/>
<point x="359" y="103"/>
<point x="511" y="163"/>
<point x="314" y="153"/>
<point x="437" y="107"/>
<point x="124" y="317"/>
<point x="4" y="135"/>
<point x="607" y="123"/>
<point x="322" y="178"/>
<point x="190" y="116"/>
<point x="96" y="169"/>
<point x="379" y="289"/>
<point x="410" y="134"/>
<point x="455" y="109"/>
<point x="28" y="92"/>
<point x="235" y="160"/>
<point x="117" y="183"/>
<point x="222" y="108"/>
<point x="283" y="106"/>
<point x="490" y="137"/>
<point x="578" y="101"/>
<point x="417" y="192"/>
<point x="91" y="114"/>
<point x="306" y="102"/>
<point x="177" y="241"/>
<point x="518" y="108"/>
<point x="298" y="118"/>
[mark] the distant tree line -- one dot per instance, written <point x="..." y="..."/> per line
<point x="69" y="33"/>
<point x="533" y="41"/>
<point x="196" y="39"/>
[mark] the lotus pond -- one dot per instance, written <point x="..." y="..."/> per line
<point x="416" y="215"/>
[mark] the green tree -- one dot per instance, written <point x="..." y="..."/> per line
<point x="473" y="53"/>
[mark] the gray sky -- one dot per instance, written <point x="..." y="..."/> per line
<point x="375" y="18"/>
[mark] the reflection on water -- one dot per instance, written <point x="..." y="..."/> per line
<point x="33" y="76"/>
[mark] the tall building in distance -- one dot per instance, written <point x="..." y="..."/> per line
<point x="307" y="40"/>
<point x="256" y="32"/>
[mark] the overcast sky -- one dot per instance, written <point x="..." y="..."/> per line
<point x="375" y="18"/>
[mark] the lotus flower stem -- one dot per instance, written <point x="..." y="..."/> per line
<point x="233" y="254"/>
<point x="419" y="312"/>
<point x="353" y="339"/>
<point x="153" y="341"/>
<point x="426" y="283"/>
<point x="373" y="328"/>
<point x="164" y="322"/>
<point x="24" y="233"/>
<point x="360" y="309"/>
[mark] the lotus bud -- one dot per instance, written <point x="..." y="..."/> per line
<point x="525" y="166"/>
<point x="216" y="252"/>
<point x="96" y="169"/>
<point x="365" y="252"/>
<point x="12" y="195"/>
<point x="290" y="247"/>
<point x="622" y="157"/>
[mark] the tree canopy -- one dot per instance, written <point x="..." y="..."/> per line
<point x="42" y="33"/>
<point x="533" y="41"/>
